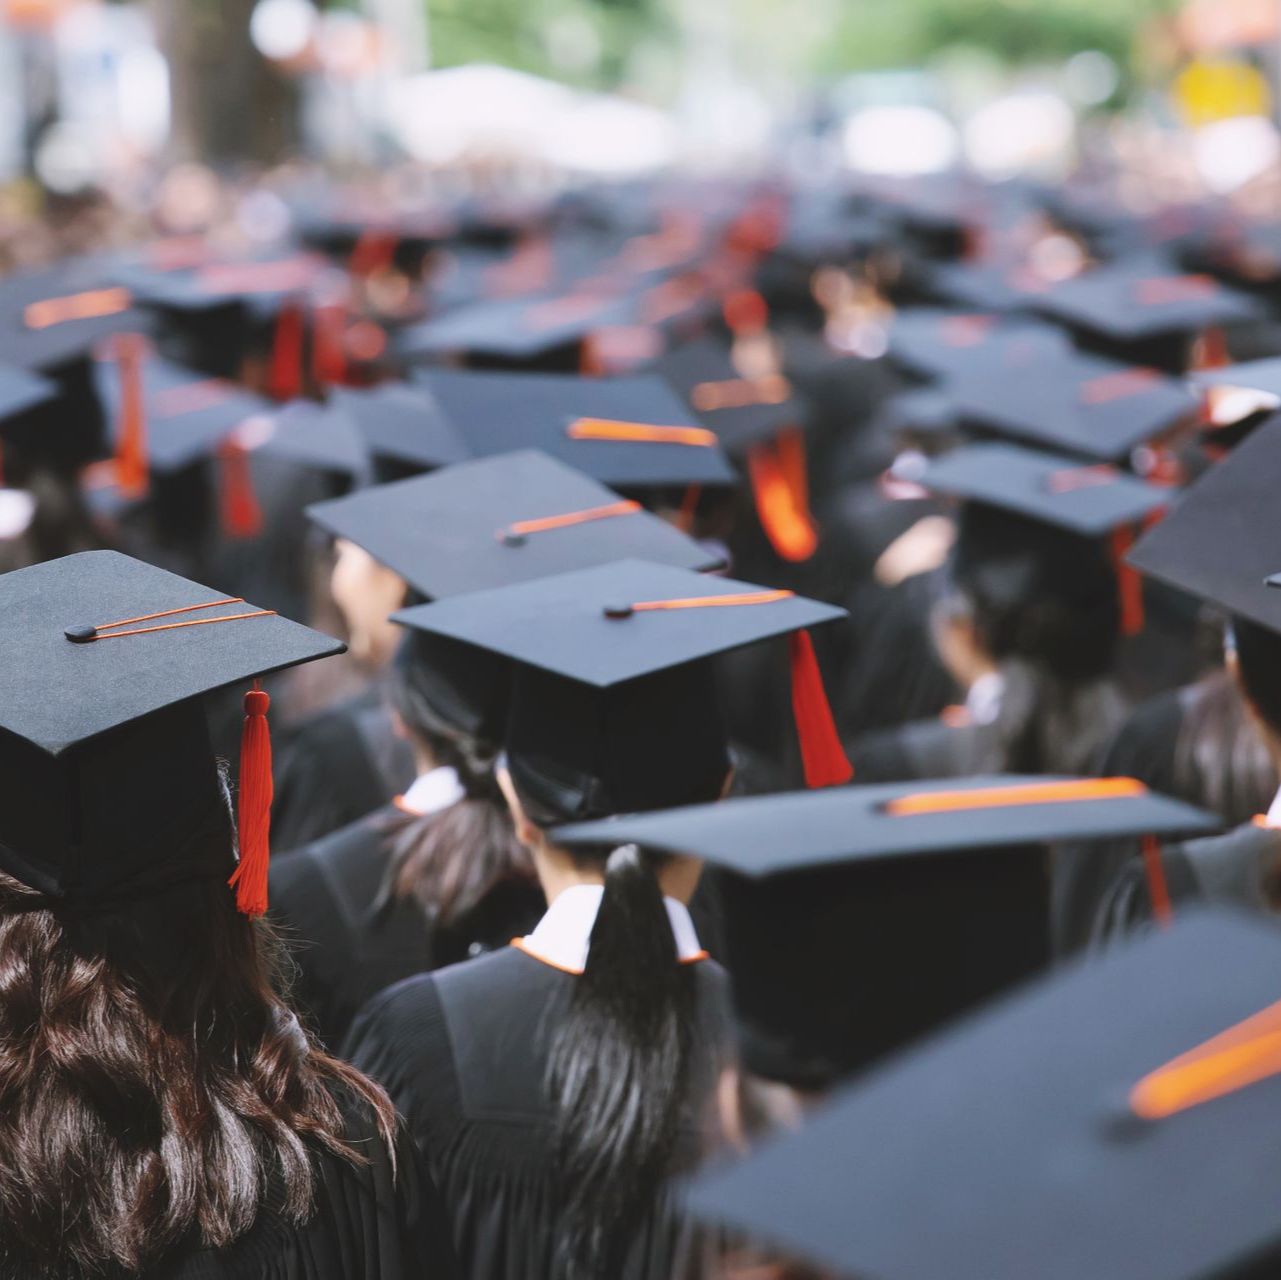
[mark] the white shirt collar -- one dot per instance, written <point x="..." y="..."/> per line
<point x="1273" y="817"/>
<point x="432" y="791"/>
<point x="983" y="702"/>
<point x="563" y="935"/>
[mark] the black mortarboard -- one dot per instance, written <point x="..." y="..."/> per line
<point x="1091" y="501"/>
<point x="497" y="521"/>
<point x="21" y="391"/>
<point x="402" y="426"/>
<point x="1082" y="404"/>
<point x="630" y="433"/>
<point x="1114" y="1121"/>
<point x="1222" y="543"/>
<point x="1251" y="375"/>
<point x="111" y="786"/>
<point x="861" y="917"/>
<point x="742" y="411"/>
<point x="318" y="436"/>
<point x="1128" y="303"/>
<point x="940" y="344"/>
<point x="614" y="704"/>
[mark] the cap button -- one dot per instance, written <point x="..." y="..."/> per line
<point x="619" y="611"/>
<point x="81" y="633"/>
<point x="510" y="538"/>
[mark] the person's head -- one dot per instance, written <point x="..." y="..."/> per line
<point x="1024" y="589"/>
<point x="148" y="1061"/>
<point x="367" y="593"/>
<point x="451" y="705"/>
<point x="620" y="1061"/>
<point x="1254" y="658"/>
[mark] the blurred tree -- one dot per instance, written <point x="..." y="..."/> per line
<point x="229" y="103"/>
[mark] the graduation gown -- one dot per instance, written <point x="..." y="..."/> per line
<point x="1238" y="869"/>
<point x="350" y="938"/>
<point x="335" y="767"/>
<point x="368" y="1224"/>
<point x="463" y="1054"/>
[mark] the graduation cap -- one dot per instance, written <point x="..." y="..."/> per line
<point x="23" y="395"/>
<point x="632" y="433"/>
<point x="1113" y="1121"/>
<point x="1222" y="543"/>
<point x="402" y="426"/>
<point x="501" y="520"/>
<point x="321" y="437"/>
<point x="109" y="777"/>
<point x="614" y="704"/>
<point x="1082" y="404"/>
<point x="1135" y="303"/>
<point x="888" y="908"/>
<point x="936" y="343"/>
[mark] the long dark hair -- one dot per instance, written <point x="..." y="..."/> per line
<point x="153" y="1085"/>
<point x="619" y="1069"/>
<point x="450" y="861"/>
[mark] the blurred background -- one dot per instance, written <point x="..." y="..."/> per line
<point x="175" y="106"/>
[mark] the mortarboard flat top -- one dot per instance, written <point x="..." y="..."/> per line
<point x="1223" y="541"/>
<point x="561" y="624"/>
<point x="519" y="329"/>
<point x="775" y="834"/>
<point x="475" y="526"/>
<point x="21" y="390"/>
<point x="1250" y="375"/>
<point x="1083" y="404"/>
<point x="1128" y="304"/>
<point x="188" y="414"/>
<point x="313" y="435"/>
<point x="1091" y="501"/>
<point x="937" y="343"/>
<point x="499" y="412"/>
<point x="62" y="693"/>
<point x="741" y="411"/>
<point x="1018" y="1133"/>
<point x="401" y="423"/>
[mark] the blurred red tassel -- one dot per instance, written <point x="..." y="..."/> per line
<point x="780" y="487"/>
<point x="254" y="811"/>
<point x="822" y="755"/>
<point x="131" y="471"/>
<point x="240" y="511"/>
<point x="1129" y="583"/>
<point x="284" y="380"/>
<point x="328" y="349"/>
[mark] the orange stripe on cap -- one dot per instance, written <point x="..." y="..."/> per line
<point x="822" y="755"/>
<point x="1070" y="479"/>
<point x="739" y="393"/>
<point x="924" y="802"/>
<point x="639" y="432"/>
<point x="1117" y="386"/>
<point x="1157" y="291"/>
<point x="190" y="397"/>
<point x="965" y="330"/>
<point x="90" y="305"/>
<point x="1244" y="1054"/>
<point x="522" y="527"/>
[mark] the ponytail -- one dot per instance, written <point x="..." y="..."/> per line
<point x="618" y="1070"/>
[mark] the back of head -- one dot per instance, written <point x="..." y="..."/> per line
<point x="1037" y="592"/>
<point x="152" y="1084"/>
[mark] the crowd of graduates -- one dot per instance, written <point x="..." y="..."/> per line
<point x="791" y="789"/>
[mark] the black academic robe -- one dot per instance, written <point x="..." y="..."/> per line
<point x="335" y="767"/>
<point x="463" y="1053"/>
<point x="1236" y="869"/>
<point x="369" y="1222"/>
<point x="350" y="937"/>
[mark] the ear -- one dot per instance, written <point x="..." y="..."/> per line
<point x="526" y="832"/>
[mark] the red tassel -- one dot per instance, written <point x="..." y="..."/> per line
<point x="254" y="815"/>
<point x="1129" y="583"/>
<point x="240" y="510"/>
<point x="777" y="474"/>
<point x="328" y="352"/>
<point x="131" y="444"/>
<point x="821" y="752"/>
<point x="284" y="380"/>
<point x="1158" y="889"/>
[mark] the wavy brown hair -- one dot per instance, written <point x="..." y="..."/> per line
<point x="153" y="1084"/>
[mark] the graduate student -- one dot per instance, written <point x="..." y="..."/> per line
<point x="165" y="1114"/>
<point x="556" y="1085"/>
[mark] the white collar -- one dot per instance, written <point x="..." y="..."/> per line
<point x="562" y="936"/>
<point x="1273" y="816"/>
<point x="983" y="702"/>
<point x="432" y="791"/>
